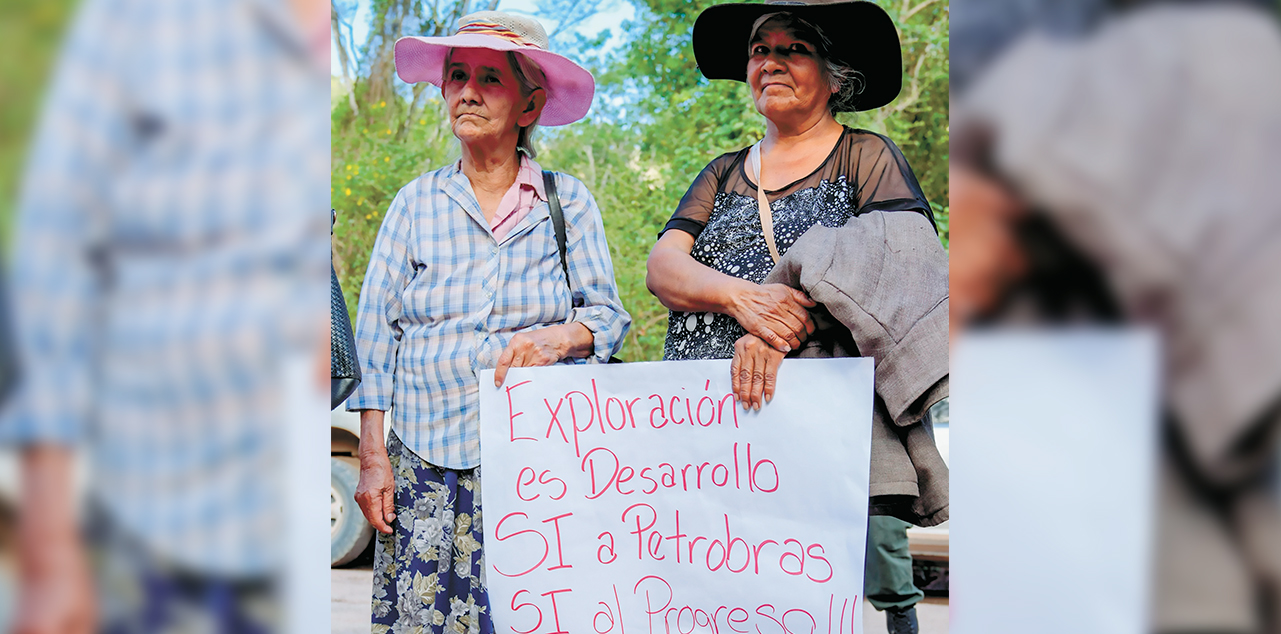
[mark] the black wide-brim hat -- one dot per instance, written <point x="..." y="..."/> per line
<point x="863" y="37"/>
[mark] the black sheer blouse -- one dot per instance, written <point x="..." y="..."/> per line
<point x="864" y="172"/>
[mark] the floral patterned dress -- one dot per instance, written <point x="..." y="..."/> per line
<point x="429" y="574"/>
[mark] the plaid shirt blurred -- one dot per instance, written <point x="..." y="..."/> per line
<point x="442" y="299"/>
<point x="171" y="252"/>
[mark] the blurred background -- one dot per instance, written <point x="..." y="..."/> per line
<point x="1113" y="182"/>
<point x="30" y="33"/>
<point x="163" y="215"/>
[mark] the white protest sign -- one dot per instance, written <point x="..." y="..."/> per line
<point x="641" y="498"/>
<point x="1053" y="480"/>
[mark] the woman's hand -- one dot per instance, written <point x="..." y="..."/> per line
<point x="776" y="313"/>
<point x="55" y="583"/>
<point x="773" y="312"/>
<point x="376" y="492"/>
<point x="56" y="589"/>
<point x="988" y="258"/>
<point x="754" y="371"/>
<point x="544" y="346"/>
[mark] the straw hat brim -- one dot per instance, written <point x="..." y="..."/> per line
<point x="862" y="35"/>
<point x="569" y="87"/>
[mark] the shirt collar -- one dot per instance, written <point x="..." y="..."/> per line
<point x="529" y="174"/>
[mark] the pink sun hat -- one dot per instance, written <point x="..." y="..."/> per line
<point x="569" y="86"/>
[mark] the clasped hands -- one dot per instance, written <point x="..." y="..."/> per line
<point x="775" y="316"/>
<point x="777" y="321"/>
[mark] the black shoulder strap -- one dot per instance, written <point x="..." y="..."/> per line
<point x="558" y="224"/>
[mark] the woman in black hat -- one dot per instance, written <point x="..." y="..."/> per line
<point x="710" y="264"/>
<point x="713" y="255"/>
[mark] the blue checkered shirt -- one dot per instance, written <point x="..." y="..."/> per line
<point x="171" y="253"/>
<point x="442" y="299"/>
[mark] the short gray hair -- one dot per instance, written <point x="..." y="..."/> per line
<point x="847" y="85"/>
<point x="529" y="77"/>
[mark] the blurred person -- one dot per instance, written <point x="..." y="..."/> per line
<point x="768" y="233"/>
<point x="167" y="273"/>
<point x="465" y="275"/>
<point x="1129" y="175"/>
<point x="981" y="29"/>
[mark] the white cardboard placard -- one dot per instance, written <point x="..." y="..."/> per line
<point x="1053" y="480"/>
<point x="588" y="469"/>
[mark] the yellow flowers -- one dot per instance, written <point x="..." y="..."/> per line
<point x="422" y="122"/>
<point x="388" y="130"/>
<point x="348" y="191"/>
<point x="386" y="159"/>
<point x="382" y="104"/>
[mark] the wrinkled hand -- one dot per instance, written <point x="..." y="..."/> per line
<point x="544" y="346"/>
<point x="754" y="371"/>
<point x="376" y="492"/>
<point x="985" y="256"/>
<point x="777" y="314"/>
<point x="56" y="591"/>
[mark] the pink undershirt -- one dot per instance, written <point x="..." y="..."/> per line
<point x="520" y="198"/>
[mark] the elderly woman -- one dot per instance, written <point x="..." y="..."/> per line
<point x="467" y="274"/>
<point x="815" y="206"/>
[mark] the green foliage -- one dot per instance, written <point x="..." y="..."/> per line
<point x="374" y="154"/>
<point x="629" y="190"/>
<point x="30" y="31"/>
<point x="655" y="125"/>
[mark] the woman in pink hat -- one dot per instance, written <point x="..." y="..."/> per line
<point x="468" y="273"/>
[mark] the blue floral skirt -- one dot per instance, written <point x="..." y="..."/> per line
<point x="140" y="591"/>
<point x="429" y="574"/>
